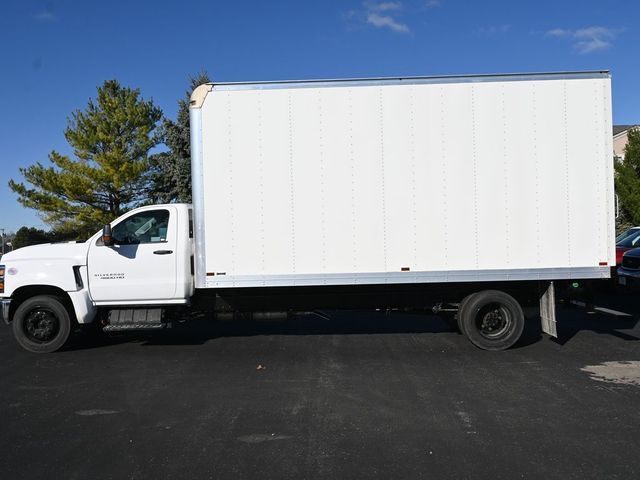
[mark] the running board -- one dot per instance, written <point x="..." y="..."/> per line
<point x="134" y="319"/>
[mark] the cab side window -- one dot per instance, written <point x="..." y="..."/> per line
<point x="144" y="227"/>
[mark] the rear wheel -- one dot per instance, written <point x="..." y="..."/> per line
<point x="460" y="314"/>
<point x="491" y="320"/>
<point x="41" y="324"/>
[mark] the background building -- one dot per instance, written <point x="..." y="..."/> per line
<point x="620" y="139"/>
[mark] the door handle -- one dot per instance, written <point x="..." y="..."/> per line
<point x="162" y="252"/>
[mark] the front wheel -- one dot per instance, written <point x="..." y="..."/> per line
<point x="492" y="320"/>
<point x="41" y="324"/>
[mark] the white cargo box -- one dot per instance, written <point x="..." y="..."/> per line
<point x="438" y="179"/>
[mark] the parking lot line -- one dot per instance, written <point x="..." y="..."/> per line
<point x="612" y="312"/>
<point x="608" y="311"/>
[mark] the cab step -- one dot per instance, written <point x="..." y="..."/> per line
<point x="135" y="319"/>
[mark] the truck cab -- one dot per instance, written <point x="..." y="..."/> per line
<point x="146" y="261"/>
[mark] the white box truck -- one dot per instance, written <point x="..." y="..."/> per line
<point x="467" y="194"/>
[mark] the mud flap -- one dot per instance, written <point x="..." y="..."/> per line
<point x="548" y="311"/>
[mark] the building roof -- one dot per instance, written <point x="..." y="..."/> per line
<point x="618" y="129"/>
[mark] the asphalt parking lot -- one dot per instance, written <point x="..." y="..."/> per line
<point x="362" y="395"/>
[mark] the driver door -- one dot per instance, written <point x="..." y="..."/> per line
<point x="141" y="265"/>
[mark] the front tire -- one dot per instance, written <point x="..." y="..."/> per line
<point x="41" y="324"/>
<point x="492" y="320"/>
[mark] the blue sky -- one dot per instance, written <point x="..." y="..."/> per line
<point x="54" y="54"/>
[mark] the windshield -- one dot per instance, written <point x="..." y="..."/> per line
<point x="631" y="241"/>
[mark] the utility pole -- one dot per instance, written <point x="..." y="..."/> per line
<point x="2" y="238"/>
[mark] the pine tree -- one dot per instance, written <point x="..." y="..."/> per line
<point x="110" y="173"/>
<point x="627" y="180"/>
<point x="172" y="176"/>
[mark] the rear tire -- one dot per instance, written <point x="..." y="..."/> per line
<point x="460" y="314"/>
<point x="41" y="324"/>
<point x="491" y="319"/>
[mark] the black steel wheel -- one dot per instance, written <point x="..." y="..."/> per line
<point x="41" y="324"/>
<point x="491" y="320"/>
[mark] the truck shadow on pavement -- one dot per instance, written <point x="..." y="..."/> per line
<point x="572" y="320"/>
<point x="201" y="328"/>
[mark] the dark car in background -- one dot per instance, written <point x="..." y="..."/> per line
<point x="626" y="233"/>
<point x="626" y="241"/>
<point x="629" y="270"/>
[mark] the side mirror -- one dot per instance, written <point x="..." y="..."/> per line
<point x="106" y="235"/>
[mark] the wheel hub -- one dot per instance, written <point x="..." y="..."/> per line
<point x="41" y="325"/>
<point x="493" y="321"/>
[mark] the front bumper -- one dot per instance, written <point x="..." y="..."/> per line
<point x="5" y="306"/>
<point x="625" y="272"/>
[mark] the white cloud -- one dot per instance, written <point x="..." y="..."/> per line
<point x="45" y="16"/>
<point x="432" y="3"/>
<point x="385" y="14"/>
<point x="594" y="38"/>
<point x="386" y="21"/>
<point x="558" y="32"/>
<point x="385" y="6"/>
<point x="588" y="39"/>
<point x="493" y="29"/>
